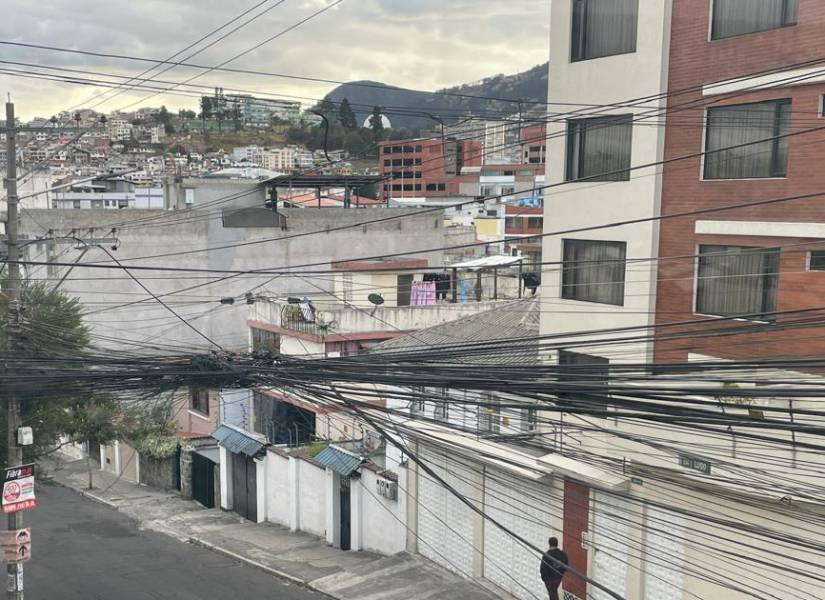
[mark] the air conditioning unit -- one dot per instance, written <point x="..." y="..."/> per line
<point x="387" y="489"/>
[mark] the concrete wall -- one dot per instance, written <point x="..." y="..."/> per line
<point x="383" y="528"/>
<point x="162" y="232"/>
<point x="312" y="497"/>
<point x="159" y="473"/>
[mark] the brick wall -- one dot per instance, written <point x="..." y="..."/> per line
<point x="695" y="61"/>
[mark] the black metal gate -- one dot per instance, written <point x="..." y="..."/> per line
<point x="176" y="469"/>
<point x="244" y="487"/>
<point x="203" y="480"/>
<point x="345" y="513"/>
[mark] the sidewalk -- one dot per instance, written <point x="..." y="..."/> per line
<point x="298" y="557"/>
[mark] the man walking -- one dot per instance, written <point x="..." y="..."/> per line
<point x="553" y="567"/>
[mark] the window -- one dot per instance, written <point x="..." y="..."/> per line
<point x="590" y="373"/>
<point x="442" y="187"/>
<point x="396" y="149"/>
<point x="418" y="148"/>
<point x="512" y="222"/>
<point x="346" y="288"/>
<point x="598" y="149"/>
<point x="737" y="281"/>
<point x="417" y="161"/>
<point x="593" y="271"/>
<point x="397" y="162"/>
<point x="387" y="162"/>
<point x="534" y="222"/>
<point x="417" y="404"/>
<point x="431" y="187"/>
<point x="408" y="162"/>
<point x="408" y="149"/>
<point x="738" y="141"/>
<point x="199" y="400"/>
<point x="489" y="414"/>
<point x="265" y="340"/>
<point x="408" y="187"/>
<point x="816" y="260"/>
<point x="738" y="17"/>
<point x="603" y="28"/>
<point x="535" y="148"/>
<point x="387" y="150"/>
<point x="441" y="411"/>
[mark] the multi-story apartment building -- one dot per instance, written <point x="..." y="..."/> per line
<point x="737" y="87"/>
<point x="424" y="167"/>
<point x="257" y="111"/>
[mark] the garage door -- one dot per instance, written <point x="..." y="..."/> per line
<point x="525" y="507"/>
<point x="665" y="554"/>
<point x="445" y="524"/>
<point x="610" y="541"/>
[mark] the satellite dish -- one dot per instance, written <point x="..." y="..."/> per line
<point x="376" y="299"/>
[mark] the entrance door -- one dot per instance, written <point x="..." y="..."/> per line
<point x="345" y="513"/>
<point x="404" y="290"/>
<point x="203" y="480"/>
<point x="244" y="487"/>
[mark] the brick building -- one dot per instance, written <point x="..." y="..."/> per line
<point x="761" y="261"/>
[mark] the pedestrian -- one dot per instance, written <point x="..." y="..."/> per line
<point x="553" y="567"/>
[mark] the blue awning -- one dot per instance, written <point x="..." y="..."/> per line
<point x="338" y="460"/>
<point x="237" y="442"/>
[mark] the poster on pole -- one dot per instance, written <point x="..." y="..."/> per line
<point x="18" y="489"/>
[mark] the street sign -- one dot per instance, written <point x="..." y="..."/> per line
<point x="16" y="546"/>
<point x="18" y="489"/>
<point x="697" y="464"/>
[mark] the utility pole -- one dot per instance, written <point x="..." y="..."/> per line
<point x="14" y="585"/>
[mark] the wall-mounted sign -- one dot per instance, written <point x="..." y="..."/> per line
<point x="696" y="464"/>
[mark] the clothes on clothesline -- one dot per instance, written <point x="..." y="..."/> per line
<point x="422" y="293"/>
<point x="307" y="310"/>
<point x="442" y="284"/>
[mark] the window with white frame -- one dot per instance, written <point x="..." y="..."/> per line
<point x="489" y="414"/>
<point x="603" y="28"/>
<point x="738" y="17"/>
<point x="737" y="281"/>
<point x="816" y="260"/>
<point x="441" y="411"/>
<point x="599" y="148"/>
<point x="586" y="377"/>
<point x="593" y="271"/>
<point x="748" y="141"/>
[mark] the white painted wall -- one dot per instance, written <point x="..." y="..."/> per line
<point x="611" y="79"/>
<point x="312" y="497"/>
<point x="383" y="528"/>
<point x="278" y="489"/>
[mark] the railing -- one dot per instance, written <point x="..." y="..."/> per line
<point x="293" y="319"/>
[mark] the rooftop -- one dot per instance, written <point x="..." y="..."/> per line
<point x="381" y="264"/>
<point x="322" y="181"/>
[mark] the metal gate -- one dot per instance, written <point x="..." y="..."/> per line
<point x="525" y="508"/>
<point x="203" y="480"/>
<point x="345" y="513"/>
<point x="610" y="542"/>
<point x="664" y="556"/>
<point x="445" y="524"/>
<point x="244" y="487"/>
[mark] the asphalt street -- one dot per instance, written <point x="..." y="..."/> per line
<point x="83" y="550"/>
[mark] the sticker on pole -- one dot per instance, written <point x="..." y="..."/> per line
<point x="16" y="546"/>
<point x="18" y="489"/>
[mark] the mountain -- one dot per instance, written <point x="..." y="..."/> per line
<point x="404" y="106"/>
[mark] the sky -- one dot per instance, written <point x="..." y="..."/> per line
<point x="420" y="44"/>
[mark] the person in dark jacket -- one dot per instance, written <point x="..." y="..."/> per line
<point x="553" y="567"/>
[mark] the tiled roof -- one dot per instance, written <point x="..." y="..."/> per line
<point x="517" y="320"/>
<point x="236" y="441"/>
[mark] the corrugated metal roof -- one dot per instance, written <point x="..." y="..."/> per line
<point x="338" y="460"/>
<point x="236" y="441"/>
<point x="517" y="320"/>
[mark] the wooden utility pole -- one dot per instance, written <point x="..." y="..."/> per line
<point x="14" y="585"/>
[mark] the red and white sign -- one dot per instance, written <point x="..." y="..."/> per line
<point x="18" y="489"/>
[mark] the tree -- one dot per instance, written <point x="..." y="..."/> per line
<point x="377" y="125"/>
<point x="237" y="117"/>
<point x="163" y="117"/>
<point x="186" y="114"/>
<point x="206" y="110"/>
<point x="345" y="115"/>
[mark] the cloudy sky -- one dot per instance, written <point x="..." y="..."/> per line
<point x="422" y="44"/>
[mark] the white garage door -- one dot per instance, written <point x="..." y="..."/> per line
<point x="665" y="554"/>
<point x="445" y="524"/>
<point x="610" y="530"/>
<point x="524" y="507"/>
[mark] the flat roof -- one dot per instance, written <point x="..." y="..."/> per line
<point x="318" y="181"/>
<point x="381" y="265"/>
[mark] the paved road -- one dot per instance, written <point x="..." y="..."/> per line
<point x="83" y="550"/>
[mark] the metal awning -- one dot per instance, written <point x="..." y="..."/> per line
<point x="342" y="462"/>
<point x="210" y="452"/>
<point x="237" y="441"/>
<point x="323" y="181"/>
<point x="488" y="262"/>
